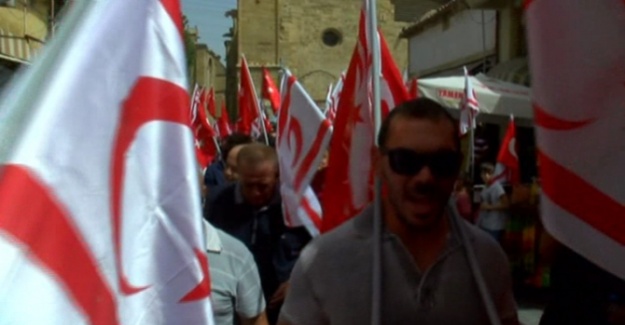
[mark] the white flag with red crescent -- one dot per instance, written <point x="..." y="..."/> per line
<point x="303" y="137"/>
<point x="577" y="52"/>
<point x="469" y="106"/>
<point x="100" y="218"/>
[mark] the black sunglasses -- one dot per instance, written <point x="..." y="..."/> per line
<point x="408" y="162"/>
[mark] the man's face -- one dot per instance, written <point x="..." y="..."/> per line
<point x="419" y="167"/>
<point x="258" y="182"/>
<point x="486" y="176"/>
<point x="231" y="164"/>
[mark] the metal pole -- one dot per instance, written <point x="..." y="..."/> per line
<point x="262" y="120"/>
<point x="52" y="18"/>
<point x="376" y="299"/>
<point x="458" y="228"/>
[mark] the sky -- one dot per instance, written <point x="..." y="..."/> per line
<point x="208" y="16"/>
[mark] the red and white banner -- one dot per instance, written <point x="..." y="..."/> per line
<point x="469" y="106"/>
<point x="334" y="99"/>
<point x="270" y="91"/>
<point x="261" y="125"/>
<point x="303" y="137"/>
<point x="507" y="168"/>
<point x="578" y="90"/>
<point x="349" y="169"/>
<point x="205" y="135"/>
<point x="100" y="217"/>
<point x="249" y="108"/>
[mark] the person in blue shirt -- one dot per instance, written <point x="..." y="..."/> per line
<point x="251" y="211"/>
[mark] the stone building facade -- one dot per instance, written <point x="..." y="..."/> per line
<point x="313" y="38"/>
<point x="210" y="72"/>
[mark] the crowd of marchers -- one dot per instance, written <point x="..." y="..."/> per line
<point x="439" y="264"/>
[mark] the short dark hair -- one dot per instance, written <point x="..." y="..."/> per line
<point x="487" y="168"/>
<point x="257" y="153"/>
<point x="232" y="141"/>
<point x="420" y="108"/>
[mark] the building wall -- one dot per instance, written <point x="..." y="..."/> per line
<point x="289" y="32"/>
<point x="210" y="72"/>
<point x="453" y="42"/>
<point x="23" y="30"/>
<point x="257" y="30"/>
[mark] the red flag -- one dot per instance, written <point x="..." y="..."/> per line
<point x="249" y="109"/>
<point x="100" y="210"/>
<point x="578" y="90"/>
<point x="413" y="88"/>
<point x="210" y="102"/>
<point x="204" y="135"/>
<point x="270" y="91"/>
<point x="507" y="169"/>
<point x="223" y="128"/>
<point x="303" y="136"/>
<point x="349" y="169"/>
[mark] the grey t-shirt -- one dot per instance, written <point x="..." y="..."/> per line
<point x="235" y="283"/>
<point x="497" y="219"/>
<point x="331" y="282"/>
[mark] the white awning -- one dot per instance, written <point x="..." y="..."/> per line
<point x="496" y="97"/>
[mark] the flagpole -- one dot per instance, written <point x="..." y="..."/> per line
<point x="472" y="148"/>
<point x="376" y="299"/>
<point x="262" y="120"/>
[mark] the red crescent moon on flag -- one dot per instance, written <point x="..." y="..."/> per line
<point x="548" y="121"/>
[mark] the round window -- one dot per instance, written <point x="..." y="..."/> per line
<point x="331" y="37"/>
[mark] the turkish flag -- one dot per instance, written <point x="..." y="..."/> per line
<point x="270" y="91"/>
<point x="205" y="142"/>
<point x="210" y="102"/>
<point x="249" y="109"/>
<point x="507" y="168"/>
<point x="349" y="180"/>
<point x="578" y="90"/>
<point x="223" y="128"/>
<point x="100" y="216"/>
<point x="413" y="88"/>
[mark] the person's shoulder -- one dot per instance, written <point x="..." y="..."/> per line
<point x="217" y="165"/>
<point x="233" y="248"/>
<point x="345" y="240"/>
<point x="487" y="249"/>
<point x="222" y="192"/>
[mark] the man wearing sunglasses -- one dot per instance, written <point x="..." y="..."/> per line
<point x="426" y="277"/>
